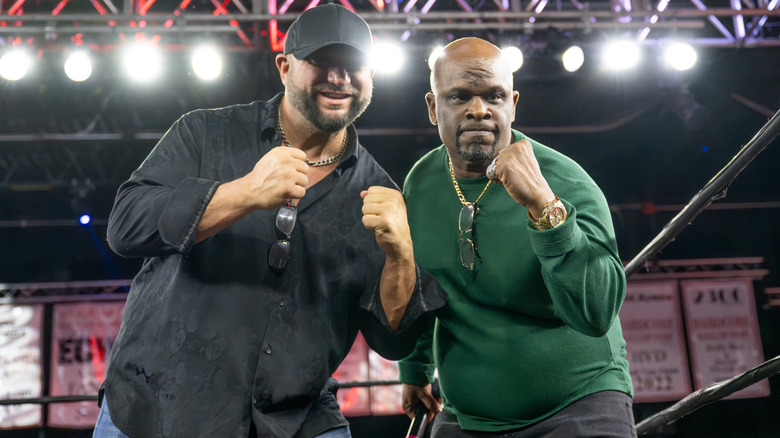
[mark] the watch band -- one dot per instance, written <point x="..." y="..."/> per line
<point x="553" y="215"/>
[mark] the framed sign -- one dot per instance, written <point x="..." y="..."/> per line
<point x="651" y="320"/>
<point x="354" y="402"/>
<point x="21" y="340"/>
<point x="722" y="327"/>
<point x="82" y="336"/>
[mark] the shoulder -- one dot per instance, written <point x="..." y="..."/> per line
<point x="430" y="165"/>
<point x="369" y="171"/>
<point x="253" y="112"/>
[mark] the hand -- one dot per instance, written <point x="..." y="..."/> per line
<point x="412" y="395"/>
<point x="277" y="178"/>
<point x="384" y="212"/>
<point x="516" y="167"/>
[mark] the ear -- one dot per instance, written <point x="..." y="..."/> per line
<point x="515" y="98"/>
<point x="430" y="99"/>
<point x="283" y="65"/>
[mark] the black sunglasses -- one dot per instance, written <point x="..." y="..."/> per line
<point x="467" y="245"/>
<point x="279" y="252"/>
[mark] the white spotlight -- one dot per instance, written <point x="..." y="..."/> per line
<point x="621" y="55"/>
<point x="387" y="58"/>
<point x="514" y="57"/>
<point x="573" y="58"/>
<point x="207" y="63"/>
<point x="14" y="65"/>
<point x="680" y="56"/>
<point x="143" y="62"/>
<point x="78" y="66"/>
<point x="435" y="54"/>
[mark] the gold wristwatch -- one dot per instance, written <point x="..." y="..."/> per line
<point x="553" y="215"/>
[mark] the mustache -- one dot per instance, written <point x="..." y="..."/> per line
<point x="477" y="127"/>
<point x="347" y="89"/>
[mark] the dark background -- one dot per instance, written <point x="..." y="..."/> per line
<point x="648" y="138"/>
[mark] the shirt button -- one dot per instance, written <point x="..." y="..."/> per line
<point x="281" y="303"/>
<point x="267" y="350"/>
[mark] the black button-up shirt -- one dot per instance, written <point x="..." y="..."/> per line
<point x="211" y="337"/>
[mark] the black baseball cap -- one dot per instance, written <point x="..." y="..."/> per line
<point x="324" y="25"/>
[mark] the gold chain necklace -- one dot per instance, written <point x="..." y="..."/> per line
<point x="457" y="187"/>
<point x="318" y="163"/>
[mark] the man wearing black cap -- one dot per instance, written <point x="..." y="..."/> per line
<point x="258" y="272"/>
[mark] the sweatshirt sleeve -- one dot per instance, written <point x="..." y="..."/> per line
<point x="580" y="264"/>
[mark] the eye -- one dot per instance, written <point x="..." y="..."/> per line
<point x="459" y="97"/>
<point x="495" y="97"/>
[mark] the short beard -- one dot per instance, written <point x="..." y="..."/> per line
<point x="306" y="104"/>
<point x="473" y="153"/>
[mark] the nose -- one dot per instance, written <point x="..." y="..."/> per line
<point x="478" y="109"/>
<point x="339" y="76"/>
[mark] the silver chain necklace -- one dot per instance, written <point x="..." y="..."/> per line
<point x="318" y="163"/>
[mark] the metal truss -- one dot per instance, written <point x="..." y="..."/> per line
<point x="64" y="291"/>
<point x="743" y="267"/>
<point x="258" y="24"/>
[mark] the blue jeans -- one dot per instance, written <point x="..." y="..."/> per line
<point x="105" y="428"/>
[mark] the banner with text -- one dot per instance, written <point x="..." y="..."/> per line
<point x="21" y="342"/>
<point x="722" y="327"/>
<point x="651" y="319"/>
<point x="82" y="336"/>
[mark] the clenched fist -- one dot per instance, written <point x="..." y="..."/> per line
<point x="384" y="212"/>
<point x="516" y="167"/>
<point x="278" y="177"/>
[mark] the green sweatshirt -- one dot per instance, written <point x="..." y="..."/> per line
<point x="534" y="327"/>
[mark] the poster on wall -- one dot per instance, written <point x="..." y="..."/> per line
<point x="354" y="401"/>
<point x="21" y="340"/>
<point x="651" y="320"/>
<point x="82" y="336"/>
<point x="385" y="399"/>
<point x="722" y="327"/>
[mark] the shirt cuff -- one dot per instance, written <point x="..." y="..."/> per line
<point x="178" y="223"/>
<point x="556" y="241"/>
<point x="427" y="296"/>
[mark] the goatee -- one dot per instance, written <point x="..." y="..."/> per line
<point x="306" y="103"/>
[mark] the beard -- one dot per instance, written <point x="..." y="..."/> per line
<point x="473" y="152"/>
<point x="306" y="103"/>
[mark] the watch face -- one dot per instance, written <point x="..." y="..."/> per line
<point x="556" y="216"/>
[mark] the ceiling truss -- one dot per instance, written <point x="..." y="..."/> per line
<point x="257" y="23"/>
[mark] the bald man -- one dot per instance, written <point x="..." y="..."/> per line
<point x="529" y="343"/>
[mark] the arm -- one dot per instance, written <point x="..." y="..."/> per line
<point x="167" y="207"/>
<point x="416" y="373"/>
<point x="278" y="177"/>
<point x="580" y="264"/>
<point x="384" y="212"/>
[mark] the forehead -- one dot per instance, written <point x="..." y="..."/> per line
<point x="473" y="73"/>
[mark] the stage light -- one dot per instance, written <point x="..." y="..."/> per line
<point x="514" y="57"/>
<point x="573" y="58"/>
<point x="143" y="62"/>
<point x="387" y="58"/>
<point x="78" y="66"/>
<point x="435" y="54"/>
<point x="14" y="64"/>
<point x="621" y="55"/>
<point x="680" y="56"/>
<point x="85" y="219"/>
<point x="207" y="63"/>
